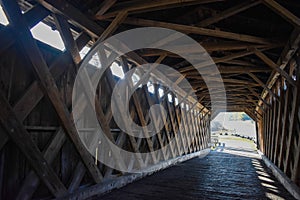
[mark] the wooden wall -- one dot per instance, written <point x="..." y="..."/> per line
<point x="280" y="124"/>
<point x="34" y="110"/>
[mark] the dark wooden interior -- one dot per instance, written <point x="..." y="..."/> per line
<point x="254" y="44"/>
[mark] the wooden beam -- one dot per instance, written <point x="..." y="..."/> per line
<point x="27" y="42"/>
<point x="80" y="169"/>
<point x="89" y="26"/>
<point x="3" y="138"/>
<point x="284" y="127"/>
<point x="33" y="16"/>
<point x="208" y="46"/>
<point x="105" y="6"/>
<point x="67" y="37"/>
<point x="241" y="69"/>
<point x="288" y="51"/>
<point x="232" y="70"/>
<point x="222" y="80"/>
<point x="137" y="6"/>
<point x="222" y="59"/>
<point x="34" y="94"/>
<point x="22" y="139"/>
<point x="261" y="84"/>
<point x="295" y="170"/>
<point x="137" y="157"/>
<point x="285" y="13"/>
<point x="113" y="25"/>
<point x="274" y="66"/>
<point x="198" y="30"/>
<point x="140" y="114"/>
<point x="139" y="61"/>
<point x="178" y="138"/>
<point x="293" y="124"/>
<point x="241" y="63"/>
<point x="216" y="61"/>
<point x="109" y="185"/>
<point x="76" y="16"/>
<point x="251" y="114"/>
<point x="227" y="13"/>
<point x="279" y="123"/>
<point x="257" y="95"/>
<point x="32" y="180"/>
<point x="87" y="86"/>
<point x="165" y="125"/>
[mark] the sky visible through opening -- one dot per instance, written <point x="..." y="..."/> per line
<point x="44" y="33"/>
<point x="235" y="123"/>
<point x="40" y="32"/>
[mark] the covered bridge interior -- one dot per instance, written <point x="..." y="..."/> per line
<point x="49" y="149"/>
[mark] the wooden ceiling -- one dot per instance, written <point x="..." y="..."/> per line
<point x="250" y="41"/>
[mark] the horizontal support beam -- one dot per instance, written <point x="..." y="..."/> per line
<point x="274" y="66"/>
<point x="285" y="13"/>
<point x="137" y="6"/>
<point x="126" y="179"/>
<point x="22" y="139"/>
<point x="283" y="179"/>
<point x="227" y="13"/>
<point x="48" y="84"/>
<point x="198" y="30"/>
<point x="33" y="16"/>
<point x="76" y="16"/>
<point x="208" y="46"/>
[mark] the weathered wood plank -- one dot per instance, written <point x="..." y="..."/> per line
<point x="3" y="138"/>
<point x="34" y="94"/>
<point x="140" y="6"/>
<point x="284" y="127"/>
<point x="22" y="139"/>
<point x="257" y="95"/>
<point x="129" y="178"/>
<point x="295" y="176"/>
<point x="67" y="37"/>
<point x="274" y="66"/>
<point x="293" y="121"/>
<point x="220" y="60"/>
<point x="50" y="88"/>
<point x="198" y="30"/>
<point x="33" y="16"/>
<point x="261" y="84"/>
<point x="32" y="180"/>
<point x="285" y="13"/>
<point x="287" y="53"/>
<point x="113" y="25"/>
<point x="208" y="46"/>
<point x="105" y="6"/>
<point x="76" y="16"/>
<point x="227" y="13"/>
<point x="279" y="122"/>
<point x="139" y="110"/>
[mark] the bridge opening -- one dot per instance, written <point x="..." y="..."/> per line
<point x="235" y="130"/>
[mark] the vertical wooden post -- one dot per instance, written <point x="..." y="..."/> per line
<point x="284" y="127"/>
<point x="278" y="123"/>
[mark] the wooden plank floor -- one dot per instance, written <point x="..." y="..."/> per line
<point x="228" y="173"/>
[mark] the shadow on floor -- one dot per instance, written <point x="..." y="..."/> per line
<point x="229" y="174"/>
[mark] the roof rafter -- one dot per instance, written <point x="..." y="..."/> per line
<point x="198" y="30"/>
<point x="227" y="13"/>
<point x="133" y="7"/>
<point x="274" y="66"/>
<point x="285" y="13"/>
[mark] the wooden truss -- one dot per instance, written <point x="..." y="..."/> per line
<point x="260" y="74"/>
